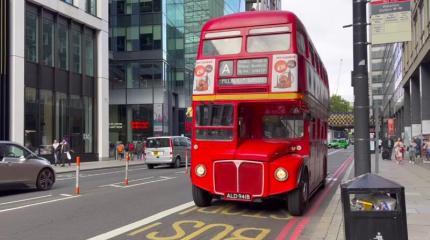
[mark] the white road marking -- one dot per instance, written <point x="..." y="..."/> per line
<point x="66" y="195"/>
<point x="134" y="180"/>
<point x="99" y="174"/>
<point x="39" y="203"/>
<point x="138" y="184"/>
<point x="330" y="153"/>
<point x="140" y="223"/>
<point x="24" y="200"/>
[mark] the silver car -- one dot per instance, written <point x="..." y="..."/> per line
<point x="20" y="165"/>
<point x="172" y="150"/>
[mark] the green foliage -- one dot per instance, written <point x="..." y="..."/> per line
<point x="338" y="104"/>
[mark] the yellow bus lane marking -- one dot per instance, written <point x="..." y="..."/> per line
<point x="144" y="229"/>
<point x="217" y="231"/>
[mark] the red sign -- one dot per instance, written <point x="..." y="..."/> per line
<point x="139" y="125"/>
<point x="390" y="127"/>
<point x="378" y="2"/>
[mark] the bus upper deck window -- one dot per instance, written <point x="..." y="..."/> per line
<point x="215" y="47"/>
<point x="269" y="43"/>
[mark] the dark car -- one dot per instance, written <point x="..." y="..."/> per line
<point x="20" y="165"/>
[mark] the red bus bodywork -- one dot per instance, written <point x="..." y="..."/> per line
<point x="241" y="165"/>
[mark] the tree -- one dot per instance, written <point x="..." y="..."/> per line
<point x="338" y="104"/>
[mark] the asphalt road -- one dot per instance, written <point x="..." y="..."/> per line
<point x="157" y="204"/>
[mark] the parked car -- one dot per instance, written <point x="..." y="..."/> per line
<point x="338" y="143"/>
<point x="172" y="150"/>
<point x="20" y="165"/>
<point x="333" y="143"/>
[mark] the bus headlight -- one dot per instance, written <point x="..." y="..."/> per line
<point x="200" y="170"/>
<point x="281" y="174"/>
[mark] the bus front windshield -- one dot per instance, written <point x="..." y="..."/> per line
<point x="283" y="126"/>
<point x="215" y="121"/>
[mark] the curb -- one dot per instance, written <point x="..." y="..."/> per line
<point x="73" y="169"/>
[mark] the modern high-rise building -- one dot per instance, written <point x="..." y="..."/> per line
<point x="58" y="75"/>
<point x="263" y="5"/>
<point x="147" y="76"/>
<point x="153" y="45"/>
<point x="4" y="76"/>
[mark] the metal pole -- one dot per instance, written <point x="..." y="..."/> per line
<point x="361" y="88"/>
<point x="186" y="160"/>
<point x="127" y="158"/>
<point x="78" y="165"/>
<point x="377" y="131"/>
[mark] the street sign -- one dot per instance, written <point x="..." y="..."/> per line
<point x="390" y="21"/>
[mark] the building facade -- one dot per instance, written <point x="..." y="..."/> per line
<point x="407" y="98"/>
<point x="59" y="75"/>
<point x="153" y="46"/>
<point x="4" y="77"/>
<point x="263" y="5"/>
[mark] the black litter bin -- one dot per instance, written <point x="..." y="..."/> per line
<point x="374" y="208"/>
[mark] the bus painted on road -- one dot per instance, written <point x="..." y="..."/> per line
<point x="260" y="111"/>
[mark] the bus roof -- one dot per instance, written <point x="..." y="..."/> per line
<point x="250" y="19"/>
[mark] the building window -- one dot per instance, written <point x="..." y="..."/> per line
<point x="132" y="38"/>
<point x="118" y="35"/>
<point x="89" y="54"/>
<point x="133" y="75"/>
<point x="61" y="116"/>
<point x="63" y="46"/>
<point x="76" y="51"/>
<point x="88" y="125"/>
<point x="92" y="7"/>
<point x="117" y="76"/>
<point x="68" y="1"/>
<point x="145" y="6"/>
<point x="31" y="30"/>
<point x="48" y="42"/>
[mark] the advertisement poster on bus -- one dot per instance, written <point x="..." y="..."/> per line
<point x="284" y="73"/>
<point x="390" y="21"/>
<point x="204" y="77"/>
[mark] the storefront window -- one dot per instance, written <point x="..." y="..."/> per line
<point x="31" y="116"/>
<point x="48" y="42"/>
<point x="76" y="123"/>
<point x="141" y="121"/>
<point x="117" y="123"/>
<point x="76" y="52"/>
<point x="63" y="46"/>
<point x="61" y="116"/>
<point x="89" y="54"/>
<point x="31" y="30"/>
<point x="46" y="121"/>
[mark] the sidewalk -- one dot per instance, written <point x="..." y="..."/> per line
<point x="415" y="179"/>
<point x="111" y="163"/>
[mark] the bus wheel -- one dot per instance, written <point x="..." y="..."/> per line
<point x="177" y="163"/>
<point x="201" y="197"/>
<point x="297" y="199"/>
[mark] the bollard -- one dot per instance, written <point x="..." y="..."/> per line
<point x="127" y="159"/>
<point x="186" y="161"/>
<point x="78" y="165"/>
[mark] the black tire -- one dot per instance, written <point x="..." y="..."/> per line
<point x="298" y="199"/>
<point x="201" y="197"/>
<point x="177" y="163"/>
<point x="150" y="166"/>
<point x="45" y="179"/>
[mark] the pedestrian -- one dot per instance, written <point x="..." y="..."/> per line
<point x="120" y="150"/>
<point x="417" y="141"/>
<point x="65" y="153"/>
<point x="139" y="149"/>
<point x="412" y="152"/>
<point x="426" y="149"/>
<point x="56" y="151"/>
<point x="399" y="149"/>
<point x="131" y="150"/>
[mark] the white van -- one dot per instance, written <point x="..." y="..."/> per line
<point x="172" y="150"/>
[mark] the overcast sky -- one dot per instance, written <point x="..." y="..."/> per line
<point x="323" y="21"/>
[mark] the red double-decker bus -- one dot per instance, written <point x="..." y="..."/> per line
<point x="260" y="111"/>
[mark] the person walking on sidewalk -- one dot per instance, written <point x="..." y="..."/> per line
<point x="120" y="150"/>
<point x="65" y="153"/>
<point x="139" y="149"/>
<point x="413" y="151"/>
<point x="131" y="150"/>
<point x="56" y="151"/>
<point x="399" y="149"/>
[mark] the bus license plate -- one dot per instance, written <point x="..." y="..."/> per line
<point x="238" y="196"/>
